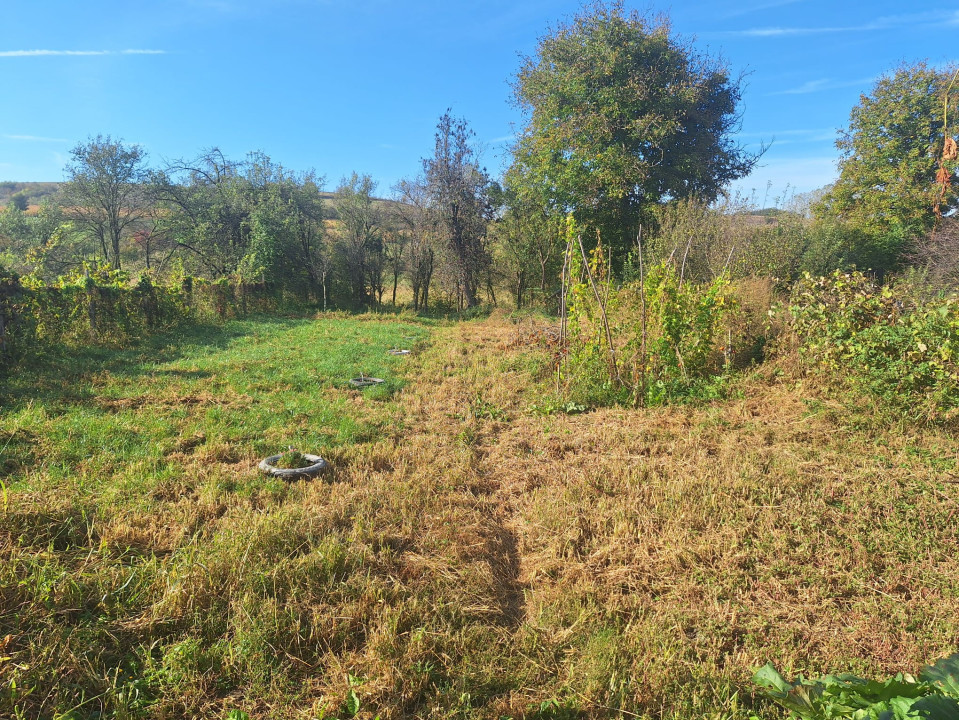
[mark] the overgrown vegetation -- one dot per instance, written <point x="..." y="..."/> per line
<point x="292" y="460"/>
<point x="655" y="340"/>
<point x="881" y="341"/>
<point x="934" y="695"/>
<point x="466" y="555"/>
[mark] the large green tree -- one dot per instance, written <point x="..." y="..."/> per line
<point x="889" y="157"/>
<point x="621" y="115"/>
<point x="360" y="231"/>
<point x="253" y="218"/>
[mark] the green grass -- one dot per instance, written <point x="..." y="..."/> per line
<point x="100" y="448"/>
<point x="464" y="557"/>
<point x="246" y="390"/>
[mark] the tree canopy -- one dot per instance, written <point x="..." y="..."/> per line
<point x="623" y="115"/>
<point x="458" y="191"/>
<point x="890" y="155"/>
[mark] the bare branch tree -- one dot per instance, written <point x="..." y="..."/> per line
<point x="105" y="195"/>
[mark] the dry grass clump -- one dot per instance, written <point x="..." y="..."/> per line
<point x="478" y="560"/>
<point x="691" y="545"/>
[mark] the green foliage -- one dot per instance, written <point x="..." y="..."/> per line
<point x="935" y="695"/>
<point x="683" y="325"/>
<point x="458" y="189"/>
<point x="359" y="244"/>
<point x="526" y="247"/>
<point x="105" y="191"/>
<point x="667" y="335"/>
<point x="622" y="114"/>
<point x="19" y="201"/>
<point x="27" y="241"/>
<point x="252" y="219"/>
<point x="100" y="305"/>
<point x="833" y="245"/>
<point x="889" y="159"/>
<point x="726" y="239"/>
<point x="880" y="342"/>
<point x="351" y="703"/>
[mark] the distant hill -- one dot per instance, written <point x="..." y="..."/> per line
<point x="767" y="216"/>
<point x="34" y="191"/>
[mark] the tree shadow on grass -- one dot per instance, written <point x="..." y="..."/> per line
<point x="62" y="374"/>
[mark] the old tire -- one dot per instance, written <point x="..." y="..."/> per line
<point x="362" y="382"/>
<point x="318" y="466"/>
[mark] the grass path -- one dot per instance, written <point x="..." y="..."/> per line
<point x="466" y="557"/>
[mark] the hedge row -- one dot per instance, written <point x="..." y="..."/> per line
<point x="104" y="309"/>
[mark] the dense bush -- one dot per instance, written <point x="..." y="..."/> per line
<point x="100" y="305"/>
<point x="880" y="341"/>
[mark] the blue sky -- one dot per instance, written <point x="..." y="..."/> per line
<point x="339" y="87"/>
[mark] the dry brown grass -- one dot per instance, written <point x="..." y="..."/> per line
<point x="484" y="561"/>
<point x="650" y="560"/>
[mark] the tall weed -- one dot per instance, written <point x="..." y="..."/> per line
<point x="654" y="340"/>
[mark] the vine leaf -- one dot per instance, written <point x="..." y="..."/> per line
<point x="944" y="674"/>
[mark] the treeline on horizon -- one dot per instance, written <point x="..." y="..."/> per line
<point x="639" y="167"/>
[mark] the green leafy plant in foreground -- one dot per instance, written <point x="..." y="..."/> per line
<point x="934" y="695"/>
<point x="653" y="341"/>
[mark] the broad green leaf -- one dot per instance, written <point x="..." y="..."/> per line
<point x="351" y="706"/>
<point x="902" y="708"/>
<point x="936" y="707"/>
<point x="768" y="677"/>
<point x="894" y="687"/>
<point x="944" y="674"/>
<point x="801" y="699"/>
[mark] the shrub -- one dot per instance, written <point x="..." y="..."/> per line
<point x="100" y="305"/>
<point x="879" y="341"/>
<point x="934" y="695"/>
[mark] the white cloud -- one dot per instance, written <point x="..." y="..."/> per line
<point x="936" y="19"/>
<point x="782" y="31"/>
<point x="76" y="53"/>
<point x="35" y="138"/>
<point x="812" y="86"/>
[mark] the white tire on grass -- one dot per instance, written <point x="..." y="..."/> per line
<point x="318" y="466"/>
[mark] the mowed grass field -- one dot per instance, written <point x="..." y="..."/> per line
<point x="466" y="555"/>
